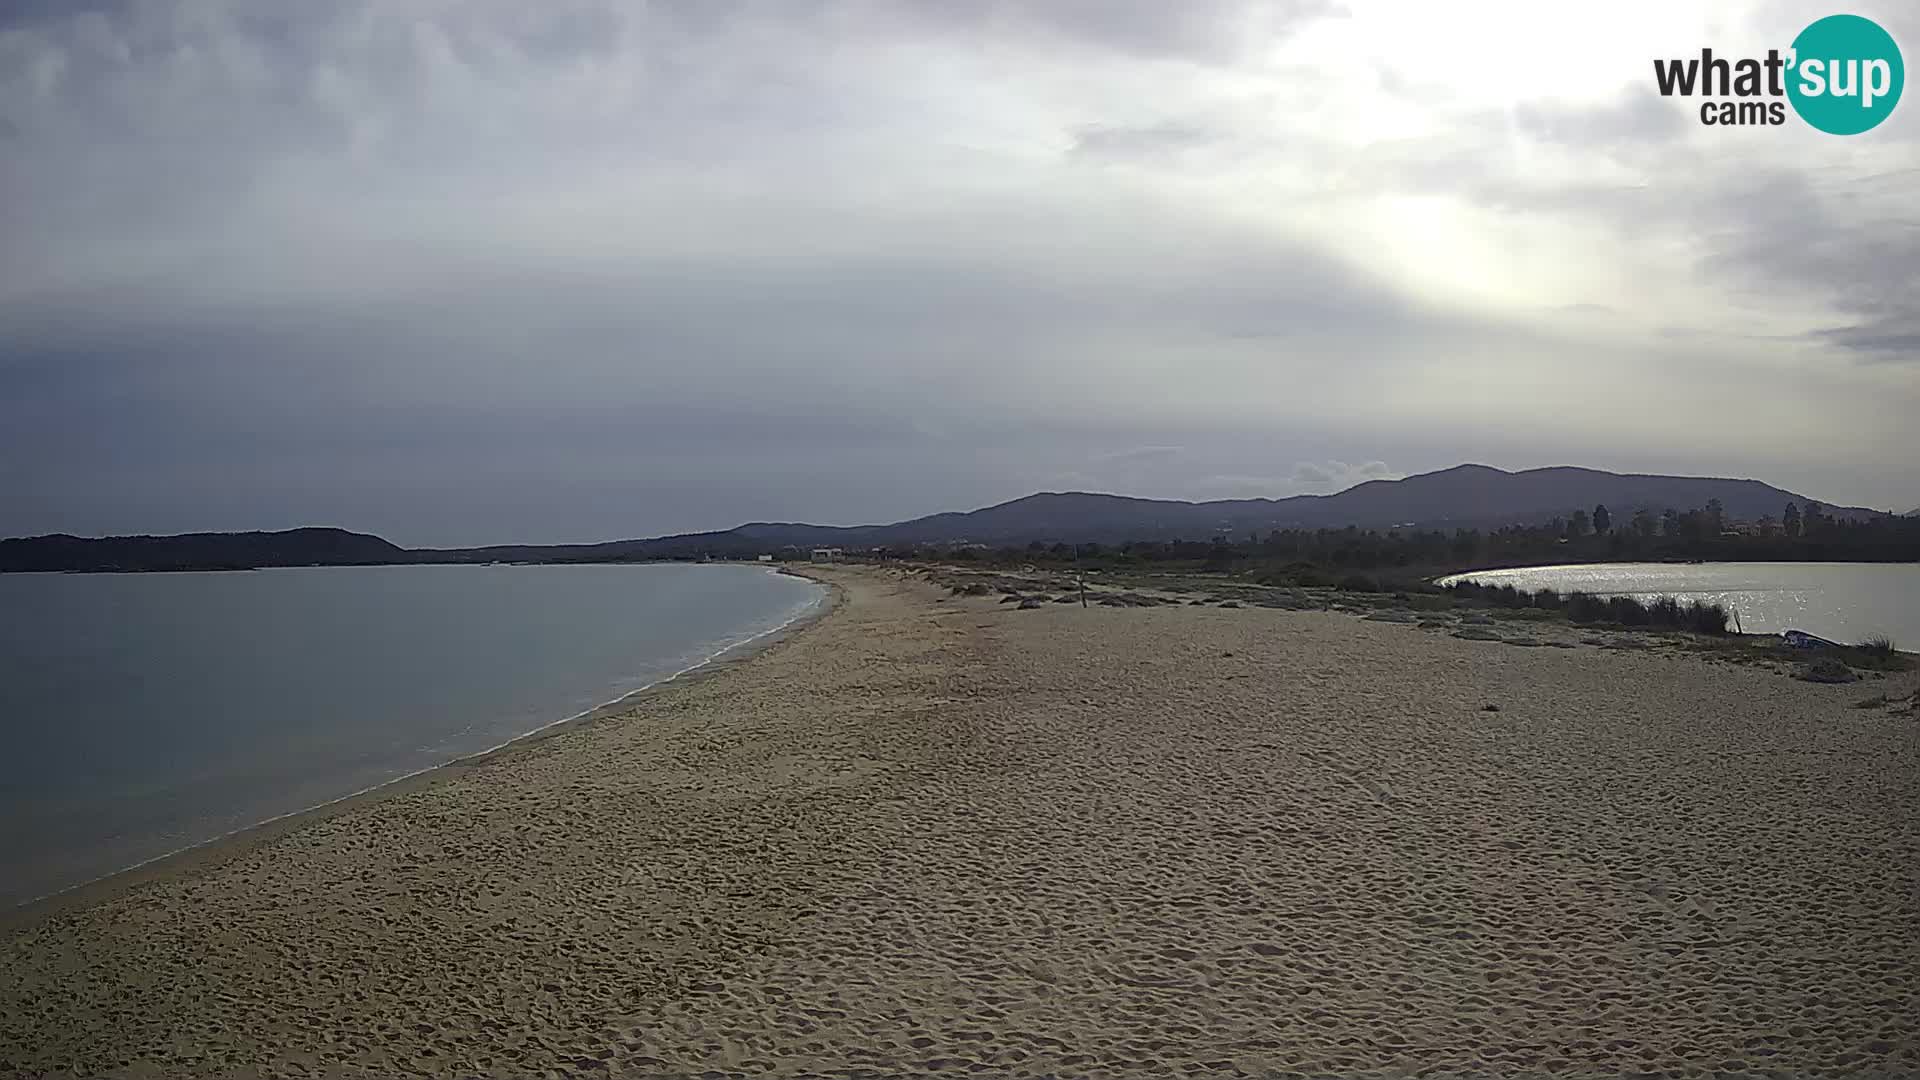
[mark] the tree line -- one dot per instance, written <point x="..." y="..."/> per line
<point x="1801" y="533"/>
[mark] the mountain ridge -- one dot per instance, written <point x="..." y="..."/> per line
<point x="1469" y="495"/>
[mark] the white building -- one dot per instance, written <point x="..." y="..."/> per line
<point x="826" y="555"/>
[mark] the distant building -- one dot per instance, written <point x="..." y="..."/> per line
<point x="825" y="555"/>
<point x="764" y="558"/>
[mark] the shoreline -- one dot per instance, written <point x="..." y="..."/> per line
<point x="944" y="834"/>
<point x="209" y="853"/>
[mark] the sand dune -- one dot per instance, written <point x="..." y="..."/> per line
<point x="945" y="834"/>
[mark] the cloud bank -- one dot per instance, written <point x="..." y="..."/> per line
<point x="478" y="272"/>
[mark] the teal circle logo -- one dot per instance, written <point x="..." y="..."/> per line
<point x="1846" y="75"/>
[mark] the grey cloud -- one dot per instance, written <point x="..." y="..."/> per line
<point x="1138" y="454"/>
<point x="1757" y="225"/>
<point x="1893" y="339"/>
<point x="1640" y="116"/>
<point x="1213" y="31"/>
<point x="574" y="271"/>
<point x="1842" y="240"/>
<point x="1332" y="476"/>
<point x="1102" y="142"/>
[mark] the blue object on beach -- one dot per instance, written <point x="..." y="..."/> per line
<point x="1800" y="639"/>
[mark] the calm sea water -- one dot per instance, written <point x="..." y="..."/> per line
<point x="143" y="713"/>
<point x="1845" y="602"/>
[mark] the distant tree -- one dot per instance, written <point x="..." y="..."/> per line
<point x="1790" y="520"/>
<point x="1716" y="517"/>
<point x="1644" y="523"/>
<point x="1670" y="522"/>
<point x="1577" y="527"/>
<point x="1693" y="524"/>
<point x="1811" y="519"/>
<point x="1602" y="519"/>
<point x="1219" y="554"/>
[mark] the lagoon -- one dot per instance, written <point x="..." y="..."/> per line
<point x="1847" y="602"/>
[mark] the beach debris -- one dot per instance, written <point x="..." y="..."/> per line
<point x="1489" y="707"/>
<point x="1474" y="633"/>
<point x="1230" y="603"/>
<point x="1031" y="602"/>
<point x="1012" y="598"/>
<point x="1826" y="670"/>
<point x="1800" y="639"/>
<point x="1390" y="615"/>
<point x="1524" y="642"/>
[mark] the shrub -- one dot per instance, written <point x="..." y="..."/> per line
<point x="1664" y="611"/>
<point x="1586" y="608"/>
<point x="1705" y="618"/>
<point x="1627" y="611"/>
<point x="1879" y="645"/>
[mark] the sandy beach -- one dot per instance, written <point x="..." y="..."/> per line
<point x="932" y="833"/>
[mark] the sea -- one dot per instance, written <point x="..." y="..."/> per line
<point x="147" y="713"/>
<point x="1844" y="602"/>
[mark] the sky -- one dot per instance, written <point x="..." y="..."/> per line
<point x="491" y="272"/>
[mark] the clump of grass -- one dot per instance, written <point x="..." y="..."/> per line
<point x="1873" y="702"/>
<point x="1876" y="654"/>
<point x="1826" y="670"/>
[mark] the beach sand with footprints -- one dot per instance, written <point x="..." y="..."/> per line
<point x="941" y="833"/>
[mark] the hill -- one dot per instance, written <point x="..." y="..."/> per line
<point x="1466" y="496"/>
<point x="199" y="551"/>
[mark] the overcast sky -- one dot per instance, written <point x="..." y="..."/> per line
<point x="488" y="272"/>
